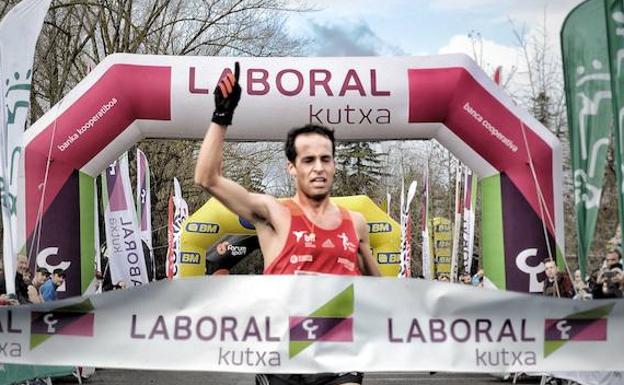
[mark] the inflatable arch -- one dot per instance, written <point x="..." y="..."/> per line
<point x="130" y="97"/>
<point x="213" y="221"/>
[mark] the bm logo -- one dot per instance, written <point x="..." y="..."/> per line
<point x="203" y="228"/>
<point x="189" y="257"/>
<point x="388" y="258"/>
<point x="379" y="227"/>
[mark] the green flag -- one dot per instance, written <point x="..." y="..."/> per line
<point x="615" y="31"/>
<point x="588" y="97"/>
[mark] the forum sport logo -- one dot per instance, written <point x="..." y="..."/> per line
<point x="590" y="325"/>
<point x="332" y="322"/>
<point x="74" y="320"/>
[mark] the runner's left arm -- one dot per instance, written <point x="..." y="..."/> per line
<point x="365" y="255"/>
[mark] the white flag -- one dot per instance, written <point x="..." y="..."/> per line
<point x="19" y="31"/>
<point x="123" y="240"/>
<point x="427" y="261"/>
<point x="470" y="197"/>
<point x="456" y="223"/>
<point x="180" y="213"/>
<point x="144" y="203"/>
<point x="406" y="230"/>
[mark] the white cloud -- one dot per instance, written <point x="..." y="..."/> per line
<point x="487" y="53"/>
<point x="348" y="39"/>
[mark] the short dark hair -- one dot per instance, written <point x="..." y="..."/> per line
<point x="43" y="271"/>
<point x="59" y="272"/>
<point x="289" y="147"/>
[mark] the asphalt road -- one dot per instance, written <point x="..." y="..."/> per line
<point x="142" y="377"/>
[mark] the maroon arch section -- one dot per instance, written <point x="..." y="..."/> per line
<point x="441" y="95"/>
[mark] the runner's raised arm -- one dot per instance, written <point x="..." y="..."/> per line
<point x="208" y="171"/>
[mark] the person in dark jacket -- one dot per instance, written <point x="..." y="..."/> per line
<point x="557" y="284"/>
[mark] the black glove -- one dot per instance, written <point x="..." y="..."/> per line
<point x="227" y="94"/>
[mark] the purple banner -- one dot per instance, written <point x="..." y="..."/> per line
<point x="525" y="250"/>
<point x="114" y="184"/>
<point x="67" y="324"/>
<point x="321" y="329"/>
<point x="576" y="329"/>
<point x="58" y="246"/>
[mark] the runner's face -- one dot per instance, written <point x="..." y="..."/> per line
<point x="314" y="166"/>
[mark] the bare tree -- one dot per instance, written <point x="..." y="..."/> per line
<point x="78" y="34"/>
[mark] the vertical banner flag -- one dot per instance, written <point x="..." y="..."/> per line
<point x="170" y="266"/>
<point x="457" y="222"/>
<point x="406" y="230"/>
<point x="588" y="97"/>
<point x="97" y="251"/>
<point x="615" y="32"/>
<point x="125" y="252"/>
<point x="19" y="31"/>
<point x="144" y="203"/>
<point x="424" y="225"/>
<point x="470" y="198"/>
<point x="178" y="212"/>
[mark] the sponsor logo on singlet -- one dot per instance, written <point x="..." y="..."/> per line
<point x="301" y="258"/>
<point x="308" y="238"/>
<point x="328" y="244"/>
<point x="347" y="245"/>
<point x="349" y="265"/>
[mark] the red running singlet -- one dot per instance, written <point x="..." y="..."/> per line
<point x="311" y="249"/>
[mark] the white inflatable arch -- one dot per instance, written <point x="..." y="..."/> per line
<point x="130" y="97"/>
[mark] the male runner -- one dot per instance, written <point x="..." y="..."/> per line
<point x="306" y="234"/>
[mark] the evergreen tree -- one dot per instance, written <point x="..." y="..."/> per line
<point x="359" y="170"/>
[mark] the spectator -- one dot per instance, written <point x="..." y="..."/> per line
<point x="48" y="290"/>
<point x="556" y="283"/>
<point x="466" y="279"/>
<point x="610" y="277"/>
<point x="613" y="259"/>
<point x="22" y="279"/>
<point x="41" y="276"/>
<point x="477" y="279"/>
<point x="582" y="289"/>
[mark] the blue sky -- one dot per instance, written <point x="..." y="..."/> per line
<point x="420" y="27"/>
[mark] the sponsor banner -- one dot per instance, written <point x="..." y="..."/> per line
<point x="406" y="229"/>
<point x="19" y="30"/>
<point x="524" y="266"/>
<point x="615" y="24"/>
<point x="469" y="199"/>
<point x="428" y="268"/>
<point x="226" y="253"/>
<point x="171" y="268"/>
<point x="262" y="324"/>
<point x="123" y="240"/>
<point x="457" y="223"/>
<point x="144" y="203"/>
<point x="178" y="212"/>
<point x="53" y="249"/>
<point x="586" y="68"/>
<point x="442" y="243"/>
